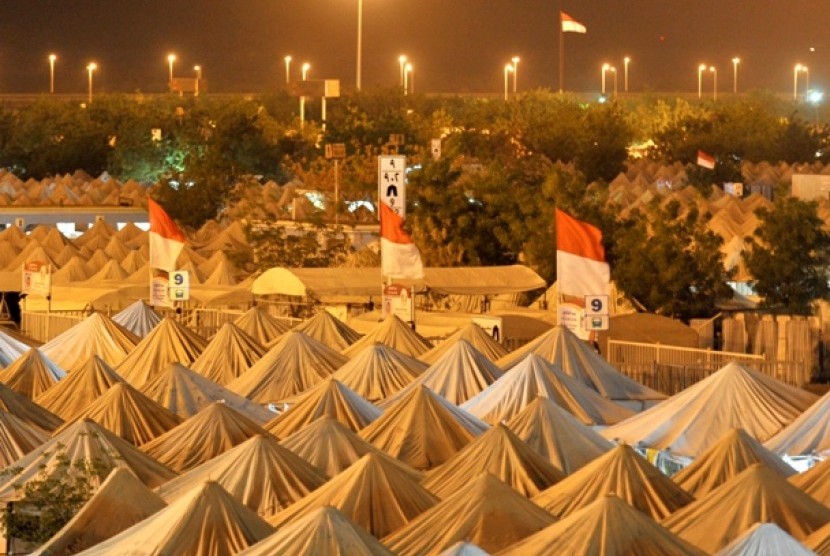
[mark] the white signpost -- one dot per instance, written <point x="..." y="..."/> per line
<point x="596" y="312"/>
<point x="392" y="182"/>
<point x="179" y="285"/>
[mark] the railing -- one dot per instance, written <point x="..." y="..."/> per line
<point x="42" y="326"/>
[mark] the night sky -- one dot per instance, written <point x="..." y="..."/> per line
<point x="455" y="45"/>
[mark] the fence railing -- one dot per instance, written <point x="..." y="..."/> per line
<point x="42" y="326"/>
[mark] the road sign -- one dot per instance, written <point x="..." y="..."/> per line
<point x="37" y="278"/>
<point x="596" y="305"/>
<point x="435" y="148"/>
<point x="336" y="150"/>
<point x="179" y="285"/>
<point x="331" y="88"/>
<point x="392" y="182"/>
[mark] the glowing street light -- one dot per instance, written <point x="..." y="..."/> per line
<point x="700" y="69"/>
<point x="605" y="68"/>
<point x="170" y="59"/>
<point x="52" y="59"/>
<point x="799" y="68"/>
<point x="305" y="70"/>
<point x="515" y="60"/>
<point x="408" y="79"/>
<point x="359" y="41"/>
<point x="402" y="64"/>
<point x="91" y="67"/>
<point x="714" y="72"/>
<point x="614" y="71"/>
<point x="508" y="69"/>
<point x="287" y="61"/>
<point x="626" y="61"/>
<point x="735" y="62"/>
<point x="198" y="70"/>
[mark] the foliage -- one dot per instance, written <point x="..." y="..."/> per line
<point x="274" y="246"/>
<point x="789" y="256"/>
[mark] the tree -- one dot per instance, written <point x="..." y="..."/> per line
<point x="789" y="256"/>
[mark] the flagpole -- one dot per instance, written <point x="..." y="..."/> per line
<point x="561" y="56"/>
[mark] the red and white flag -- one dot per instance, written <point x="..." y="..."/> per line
<point x="166" y="239"/>
<point x="581" y="268"/>
<point x="570" y="25"/>
<point x="705" y="160"/>
<point x="399" y="257"/>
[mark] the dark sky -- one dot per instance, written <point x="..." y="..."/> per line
<point x="455" y="45"/>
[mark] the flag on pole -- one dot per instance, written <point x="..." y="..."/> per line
<point x="166" y="239"/>
<point x="570" y="25"/>
<point x="705" y="160"/>
<point x="399" y="257"/>
<point x="581" y="268"/>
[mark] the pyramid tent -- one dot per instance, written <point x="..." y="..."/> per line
<point x="422" y="429"/>
<point x="329" y="398"/>
<point x="473" y="334"/>
<point x="819" y="541"/>
<point x="133" y="262"/>
<point x="763" y="539"/>
<point x="815" y="482"/>
<point x="500" y="453"/>
<point x="95" y="335"/>
<point x="488" y="513"/>
<point x="261" y="326"/>
<point x="116" y="249"/>
<point x="557" y="435"/>
<point x="734" y="397"/>
<point x="577" y="359"/>
<point x="296" y="363"/>
<point x="726" y="459"/>
<point x="609" y="527"/>
<point x="379" y="371"/>
<point x="332" y="447"/>
<point x="73" y="271"/>
<point x="27" y="411"/>
<point x="323" y="532"/>
<point x="105" y="514"/>
<point x="85" y="440"/>
<point x="169" y="342"/>
<point x="129" y="414"/>
<point x="218" y="258"/>
<point x="17" y="438"/>
<point x="31" y="374"/>
<point x="185" y="392"/>
<point x="394" y="333"/>
<point x="757" y="494"/>
<point x="621" y="472"/>
<point x="809" y="433"/>
<point x="213" y="431"/>
<point x="459" y="374"/>
<point x="462" y="548"/>
<point x="229" y="354"/>
<point x="139" y="318"/>
<point x="66" y="254"/>
<point x="259" y="473"/>
<point x="374" y="493"/>
<point x="205" y="521"/>
<point x="69" y="397"/>
<point x="223" y="275"/>
<point x="329" y="330"/>
<point x="534" y="377"/>
<point x="110" y="272"/>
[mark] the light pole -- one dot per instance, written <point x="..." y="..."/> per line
<point x="198" y="70"/>
<point x="408" y="77"/>
<point x="700" y="69"/>
<point x="515" y="60"/>
<point x="614" y="71"/>
<point x="796" y="70"/>
<point x="402" y="64"/>
<point x="52" y="59"/>
<point x="605" y="67"/>
<point x="170" y="59"/>
<point x="359" y="40"/>
<point x="626" y="61"/>
<point x="714" y="71"/>
<point x="735" y="62"/>
<point x="305" y="69"/>
<point x="508" y="69"/>
<point x="287" y="61"/>
<point x="91" y="67"/>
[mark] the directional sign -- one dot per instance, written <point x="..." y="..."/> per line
<point x="596" y="305"/>
<point x="392" y="183"/>
<point x="179" y="284"/>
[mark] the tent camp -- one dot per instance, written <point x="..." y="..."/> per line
<point x="475" y="336"/>
<point x="229" y="354"/>
<point x="17" y="438"/>
<point x="378" y="371"/>
<point x="392" y="332"/>
<point x="96" y="335"/>
<point x="762" y="539"/>
<point x="31" y="374"/>
<point x="169" y="342"/>
<point x="138" y="318"/>
<point x="328" y="330"/>
<point x="72" y="395"/>
<point x="261" y="326"/>
<point x="809" y="433"/>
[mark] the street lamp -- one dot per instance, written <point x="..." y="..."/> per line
<point x="305" y="69"/>
<point x="626" y="61"/>
<point x="614" y="71"/>
<point x="796" y="70"/>
<point x="91" y="67"/>
<point x="198" y="70"/>
<point x="359" y="40"/>
<point x="52" y="59"/>
<point x="700" y="69"/>
<point x="287" y="60"/>
<point x="605" y="67"/>
<point x="508" y="69"/>
<point x="714" y="71"/>
<point x="408" y="79"/>
<point x="170" y="59"/>
<point x="735" y="62"/>
<point x="515" y="60"/>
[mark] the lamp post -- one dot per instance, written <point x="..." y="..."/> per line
<point x="796" y="70"/>
<point x="614" y="71"/>
<point x="508" y="69"/>
<point x="700" y="69"/>
<point x="605" y="67"/>
<point x="198" y="70"/>
<point x="714" y="71"/>
<point x="170" y="59"/>
<point x="735" y="62"/>
<point x="52" y="59"/>
<point x="305" y="69"/>
<point x="515" y="60"/>
<point x="408" y="78"/>
<point x="626" y="61"/>
<point x="359" y="41"/>
<point x="287" y="61"/>
<point x="402" y="65"/>
<point x="90" y="68"/>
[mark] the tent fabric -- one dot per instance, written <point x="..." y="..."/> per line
<point x="621" y="472"/>
<point x="809" y="433"/>
<point x="763" y="539"/>
<point x="17" y="438"/>
<point x="734" y="397"/>
<point x="84" y="440"/>
<point x="374" y="493"/>
<point x="475" y="336"/>
<point x="72" y="395"/>
<point x="422" y="429"/>
<point x="757" y="494"/>
<point x="323" y="532"/>
<point x="207" y="521"/>
<point x="27" y="411"/>
<point x="392" y="332"/>
<point x="459" y="374"/>
<point x="500" y="453"/>
<point x="129" y="414"/>
<point x="95" y="335"/>
<point x="815" y="482"/>
<point x="259" y="473"/>
<point x="105" y="514"/>
<point x="464" y="549"/>
<point x="328" y="330"/>
<point x="819" y="541"/>
<point x="329" y="398"/>
<point x="213" y="431"/>
<point x="261" y="326"/>
<point x="139" y="318"/>
<point x="726" y="459"/>
<point x="609" y="527"/>
<point x="533" y="377"/>
<point x="557" y="435"/>
<point x="169" y="342"/>
<point x="378" y="371"/>
<point x="11" y="347"/>
<point x="185" y="392"/>
<point x="488" y="513"/>
<point x="296" y="363"/>
<point x="229" y="354"/>
<point x="31" y="374"/>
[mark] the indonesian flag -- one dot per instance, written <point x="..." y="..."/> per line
<point x="570" y="25"/>
<point x="399" y="257"/>
<point x="580" y="258"/>
<point x="166" y="239"/>
<point x="705" y="160"/>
